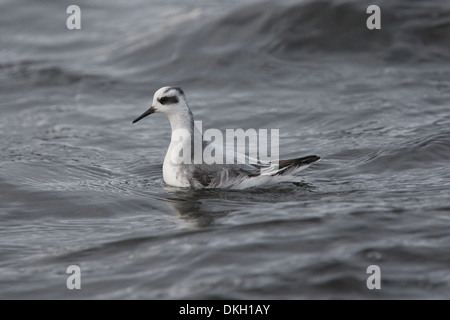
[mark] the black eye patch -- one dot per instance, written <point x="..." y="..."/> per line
<point x="168" y="100"/>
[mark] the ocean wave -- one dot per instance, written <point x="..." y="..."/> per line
<point x="417" y="153"/>
<point x="412" y="31"/>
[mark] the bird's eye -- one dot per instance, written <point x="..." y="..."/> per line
<point x="168" y="100"/>
<point x="163" y="100"/>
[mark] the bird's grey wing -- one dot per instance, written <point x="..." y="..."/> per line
<point x="203" y="175"/>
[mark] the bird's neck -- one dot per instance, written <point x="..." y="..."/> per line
<point x="185" y="138"/>
<point x="182" y="121"/>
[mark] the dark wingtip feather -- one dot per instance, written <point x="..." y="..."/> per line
<point x="310" y="159"/>
<point x="298" y="162"/>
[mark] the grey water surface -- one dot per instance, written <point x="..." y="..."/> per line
<point x="80" y="185"/>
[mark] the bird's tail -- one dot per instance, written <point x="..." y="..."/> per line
<point x="291" y="165"/>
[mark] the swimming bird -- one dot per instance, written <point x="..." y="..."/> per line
<point x="240" y="174"/>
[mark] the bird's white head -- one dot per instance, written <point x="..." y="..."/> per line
<point x="169" y="101"/>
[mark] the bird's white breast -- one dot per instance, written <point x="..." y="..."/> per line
<point x="174" y="174"/>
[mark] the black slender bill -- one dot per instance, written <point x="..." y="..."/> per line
<point x="145" y="114"/>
